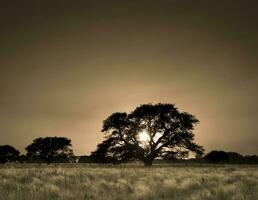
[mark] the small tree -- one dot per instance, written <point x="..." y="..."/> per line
<point x="108" y="152"/>
<point x="150" y="131"/>
<point x="8" y="154"/>
<point x="50" y="148"/>
<point x="217" y="156"/>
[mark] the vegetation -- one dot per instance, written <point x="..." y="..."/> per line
<point x="8" y="154"/>
<point x="78" y="181"/>
<point x="50" y="149"/>
<point x="148" y="132"/>
<point x="229" y="157"/>
<point x="102" y="154"/>
<point x="59" y="150"/>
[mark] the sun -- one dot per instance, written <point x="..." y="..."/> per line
<point x="144" y="136"/>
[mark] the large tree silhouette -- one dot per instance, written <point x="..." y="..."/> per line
<point x="8" y="154"/>
<point x="50" y="149"/>
<point x="150" y="131"/>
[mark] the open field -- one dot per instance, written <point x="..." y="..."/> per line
<point x="78" y="181"/>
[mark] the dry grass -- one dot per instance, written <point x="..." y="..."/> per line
<point x="42" y="182"/>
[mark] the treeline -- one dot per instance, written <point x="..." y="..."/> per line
<point x="214" y="157"/>
<point x="59" y="150"/>
<point x="230" y="157"/>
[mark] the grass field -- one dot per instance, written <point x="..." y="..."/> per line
<point x="42" y="182"/>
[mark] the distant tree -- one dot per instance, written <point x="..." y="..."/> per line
<point x="230" y="157"/>
<point x="251" y="159"/>
<point x="50" y="149"/>
<point x="148" y="132"/>
<point x="217" y="156"/>
<point x="235" y="157"/>
<point x="8" y="154"/>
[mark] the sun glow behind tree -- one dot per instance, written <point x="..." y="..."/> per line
<point x="144" y="137"/>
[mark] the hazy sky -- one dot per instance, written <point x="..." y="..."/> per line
<point x="66" y="65"/>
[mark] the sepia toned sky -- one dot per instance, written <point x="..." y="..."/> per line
<point x="67" y="65"/>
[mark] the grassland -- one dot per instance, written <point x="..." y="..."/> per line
<point x="42" y="182"/>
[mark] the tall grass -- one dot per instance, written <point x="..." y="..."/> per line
<point x="42" y="182"/>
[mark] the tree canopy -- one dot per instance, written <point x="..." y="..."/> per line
<point x="8" y="153"/>
<point x="148" y="132"/>
<point x="50" y="149"/>
<point x="217" y="156"/>
<point x="108" y="152"/>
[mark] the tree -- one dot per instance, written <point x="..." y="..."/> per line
<point x="230" y="157"/>
<point x="234" y="157"/>
<point x="8" y="154"/>
<point x="150" y="131"/>
<point x="217" y="156"/>
<point x="108" y="152"/>
<point x="50" y="149"/>
<point x="250" y="159"/>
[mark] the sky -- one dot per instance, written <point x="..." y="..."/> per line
<point x="65" y="66"/>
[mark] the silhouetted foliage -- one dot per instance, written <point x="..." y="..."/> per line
<point x="176" y="155"/>
<point x="230" y="157"/>
<point x="8" y="154"/>
<point x="234" y="157"/>
<point x="108" y="152"/>
<point x="23" y="159"/>
<point x="225" y="157"/>
<point x="100" y="155"/>
<point x="50" y="149"/>
<point x="217" y="156"/>
<point x="251" y="159"/>
<point x="168" y="131"/>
